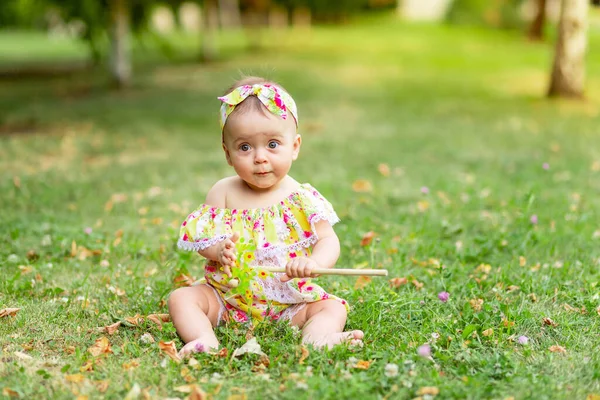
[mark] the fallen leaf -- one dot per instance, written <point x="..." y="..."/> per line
<point x="100" y="346"/>
<point x="548" y="321"/>
<point x="8" y="392"/>
<point x="156" y="320"/>
<point x="522" y="261"/>
<point x="367" y="238"/>
<point x="75" y="378"/>
<point x="87" y="367"/>
<point x="362" y="186"/>
<point x="397" y="282"/>
<point x="169" y="349"/>
<point x="361" y="282"/>
<point x="147" y="338"/>
<point x="418" y="285"/>
<point x="135" y="320"/>
<point x="110" y="329"/>
<point x="428" y="391"/>
<point x="102" y="386"/>
<point x="131" y="365"/>
<point x="9" y="312"/>
<point x="476" y="304"/>
<point x="183" y="280"/>
<point x="507" y="323"/>
<point x="592" y="396"/>
<point x="23" y="356"/>
<point x="304" y="355"/>
<point x="598" y="310"/>
<point x="557" y="349"/>
<point x="384" y="169"/>
<point x="197" y="394"/>
<point x="362" y="365"/>
<point x="17" y="182"/>
<point x="251" y="346"/>
<point x="512" y="288"/>
<point x="488" y="332"/>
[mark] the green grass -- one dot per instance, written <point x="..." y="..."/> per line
<point x="457" y="110"/>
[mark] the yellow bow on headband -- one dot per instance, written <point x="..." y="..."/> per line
<point x="277" y="100"/>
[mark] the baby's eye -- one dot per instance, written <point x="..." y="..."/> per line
<point x="273" y="144"/>
<point x="245" y="147"/>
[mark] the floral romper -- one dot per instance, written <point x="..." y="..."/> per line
<point x="269" y="236"/>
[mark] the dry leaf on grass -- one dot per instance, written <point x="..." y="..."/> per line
<point x="304" y="355"/>
<point x="476" y="304"/>
<point x="367" y="238"/>
<point x="362" y="364"/>
<point x="428" y="391"/>
<point x="557" y="349"/>
<point x="362" y="186"/>
<point x="110" y="329"/>
<point x="361" y="282"/>
<point x="8" y="312"/>
<point x="159" y="319"/>
<point x="251" y="346"/>
<point x="8" y="392"/>
<point x="183" y="280"/>
<point x="87" y="367"/>
<point x="549" y="322"/>
<point x="136" y="320"/>
<point x="131" y="365"/>
<point x="75" y="378"/>
<point x="397" y="282"/>
<point x="100" y="346"/>
<point x="169" y="349"/>
<point x="488" y="332"/>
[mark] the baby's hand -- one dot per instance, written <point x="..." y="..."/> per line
<point x="299" y="267"/>
<point x="226" y="253"/>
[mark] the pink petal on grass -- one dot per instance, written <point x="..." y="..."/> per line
<point x="523" y="340"/>
<point x="424" y="190"/>
<point x="534" y="219"/>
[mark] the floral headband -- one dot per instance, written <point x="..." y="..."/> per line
<point x="277" y="100"/>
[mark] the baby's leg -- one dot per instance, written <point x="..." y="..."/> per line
<point x="323" y="322"/>
<point x="194" y="311"/>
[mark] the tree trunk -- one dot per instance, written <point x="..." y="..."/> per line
<point x="229" y="14"/>
<point x="568" y="72"/>
<point x="120" y="57"/>
<point x="210" y="21"/>
<point x="536" y="30"/>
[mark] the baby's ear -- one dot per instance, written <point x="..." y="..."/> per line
<point x="297" y="144"/>
<point x="227" y="156"/>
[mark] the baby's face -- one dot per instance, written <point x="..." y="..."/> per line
<point x="261" y="147"/>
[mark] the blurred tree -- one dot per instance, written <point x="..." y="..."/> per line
<point x="568" y="71"/>
<point x="210" y="22"/>
<point x="120" y="57"/>
<point x="536" y="29"/>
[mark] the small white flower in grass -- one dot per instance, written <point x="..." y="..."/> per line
<point x="80" y="298"/>
<point x="302" y="385"/>
<point x="391" y="370"/>
<point x="146" y="338"/>
<point x="523" y="340"/>
<point x="49" y="265"/>
<point x="424" y="351"/>
<point x="104" y="263"/>
<point x="216" y="378"/>
<point x="13" y="258"/>
<point x="163" y="363"/>
<point x="46" y="240"/>
<point x="309" y="371"/>
<point x="264" y="377"/>
<point x="435" y="336"/>
<point x="148" y="291"/>
<point x="64" y="299"/>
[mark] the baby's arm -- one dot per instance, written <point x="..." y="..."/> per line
<point x="327" y="250"/>
<point x="224" y="251"/>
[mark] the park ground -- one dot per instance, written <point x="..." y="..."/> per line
<point x="436" y="139"/>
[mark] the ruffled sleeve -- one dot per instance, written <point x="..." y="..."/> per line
<point x="316" y="207"/>
<point x="204" y="227"/>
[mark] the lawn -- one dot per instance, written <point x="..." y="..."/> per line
<point x="435" y="138"/>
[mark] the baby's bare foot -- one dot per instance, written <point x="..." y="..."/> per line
<point x="351" y="337"/>
<point x="196" y="346"/>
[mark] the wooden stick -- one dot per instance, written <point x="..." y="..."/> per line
<point x="336" y="271"/>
